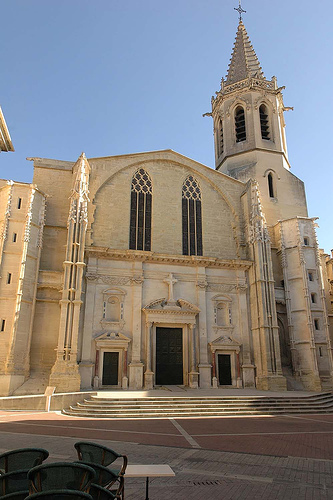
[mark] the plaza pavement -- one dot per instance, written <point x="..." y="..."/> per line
<point x="285" y="457"/>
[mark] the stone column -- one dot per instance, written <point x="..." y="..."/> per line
<point x="204" y="366"/>
<point x="214" y="380"/>
<point x="136" y="366"/>
<point x="239" y="379"/>
<point x="87" y="355"/>
<point x="124" y="383"/>
<point x="149" y="374"/>
<point x="194" y="374"/>
<point x="246" y="366"/>
<point x="96" y="377"/>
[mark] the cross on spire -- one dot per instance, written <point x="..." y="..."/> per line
<point x="240" y="10"/>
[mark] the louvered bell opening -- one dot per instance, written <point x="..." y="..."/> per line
<point x="240" y="125"/>
<point x="221" y="139"/>
<point x="264" y="123"/>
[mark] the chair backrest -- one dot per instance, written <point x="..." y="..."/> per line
<point x="103" y="475"/>
<point x="100" y="493"/>
<point x="60" y="495"/>
<point x="95" y="453"/>
<point x="14" y="482"/>
<point x="61" y="475"/>
<point x="22" y="458"/>
<point x="18" y="495"/>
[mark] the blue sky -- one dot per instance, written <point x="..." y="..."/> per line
<point x="113" y="77"/>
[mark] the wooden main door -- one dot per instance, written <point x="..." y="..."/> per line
<point x="169" y="356"/>
<point x="110" y="368"/>
<point x="224" y="367"/>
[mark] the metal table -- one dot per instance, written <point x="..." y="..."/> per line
<point x="148" y="471"/>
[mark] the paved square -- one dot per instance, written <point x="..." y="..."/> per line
<point x="283" y="457"/>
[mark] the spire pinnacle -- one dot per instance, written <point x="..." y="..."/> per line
<point x="240" y="10"/>
<point x="244" y="62"/>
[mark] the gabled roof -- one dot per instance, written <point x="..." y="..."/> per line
<point x="244" y="62"/>
<point x="5" y="140"/>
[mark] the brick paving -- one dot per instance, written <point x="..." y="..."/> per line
<point x="239" y="458"/>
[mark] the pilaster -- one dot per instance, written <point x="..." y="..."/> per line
<point x="204" y="366"/>
<point x="136" y="366"/>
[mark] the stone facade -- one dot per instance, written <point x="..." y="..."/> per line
<point x="127" y="263"/>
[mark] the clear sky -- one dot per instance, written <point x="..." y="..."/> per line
<point x="112" y="77"/>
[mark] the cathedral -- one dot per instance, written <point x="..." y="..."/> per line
<point x="150" y="270"/>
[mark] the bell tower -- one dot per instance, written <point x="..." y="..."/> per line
<point x="249" y="132"/>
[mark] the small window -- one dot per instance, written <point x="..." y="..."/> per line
<point x="306" y="241"/>
<point x="321" y="352"/>
<point x="316" y="324"/>
<point x="270" y="185"/>
<point x="14" y="237"/>
<point x="3" y="323"/>
<point x="264" y="122"/>
<point x="310" y="275"/>
<point x="282" y="283"/>
<point x="313" y="298"/>
<point x="19" y="203"/>
<point x="240" y="125"/>
<point x="9" y="278"/>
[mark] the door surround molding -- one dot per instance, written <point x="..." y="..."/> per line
<point x="111" y="342"/>
<point x="227" y="345"/>
<point x="179" y="314"/>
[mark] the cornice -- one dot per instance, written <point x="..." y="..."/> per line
<point x="249" y="84"/>
<point x="152" y="257"/>
<point x="264" y="150"/>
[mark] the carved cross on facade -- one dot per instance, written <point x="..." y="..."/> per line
<point x="240" y="10"/>
<point x="170" y="281"/>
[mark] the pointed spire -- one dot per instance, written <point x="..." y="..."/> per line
<point x="244" y="62"/>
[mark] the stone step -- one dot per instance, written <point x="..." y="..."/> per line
<point x="209" y="398"/>
<point x="129" y="415"/>
<point x="206" y="405"/>
<point x="201" y="403"/>
<point x="166" y="407"/>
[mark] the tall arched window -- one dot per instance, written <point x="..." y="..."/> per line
<point x="141" y="201"/>
<point x="191" y="217"/>
<point x="240" y="124"/>
<point x="270" y="185"/>
<point x="264" y="122"/>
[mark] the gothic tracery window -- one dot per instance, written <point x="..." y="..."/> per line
<point x="141" y="203"/>
<point x="240" y="128"/>
<point x="191" y="217"/>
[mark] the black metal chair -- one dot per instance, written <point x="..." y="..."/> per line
<point x="98" y="454"/>
<point x="14" y="482"/>
<point x="106" y="478"/>
<point x="61" y="475"/>
<point x="100" y="493"/>
<point x="60" y="495"/>
<point x="18" y="495"/>
<point x="22" y="458"/>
